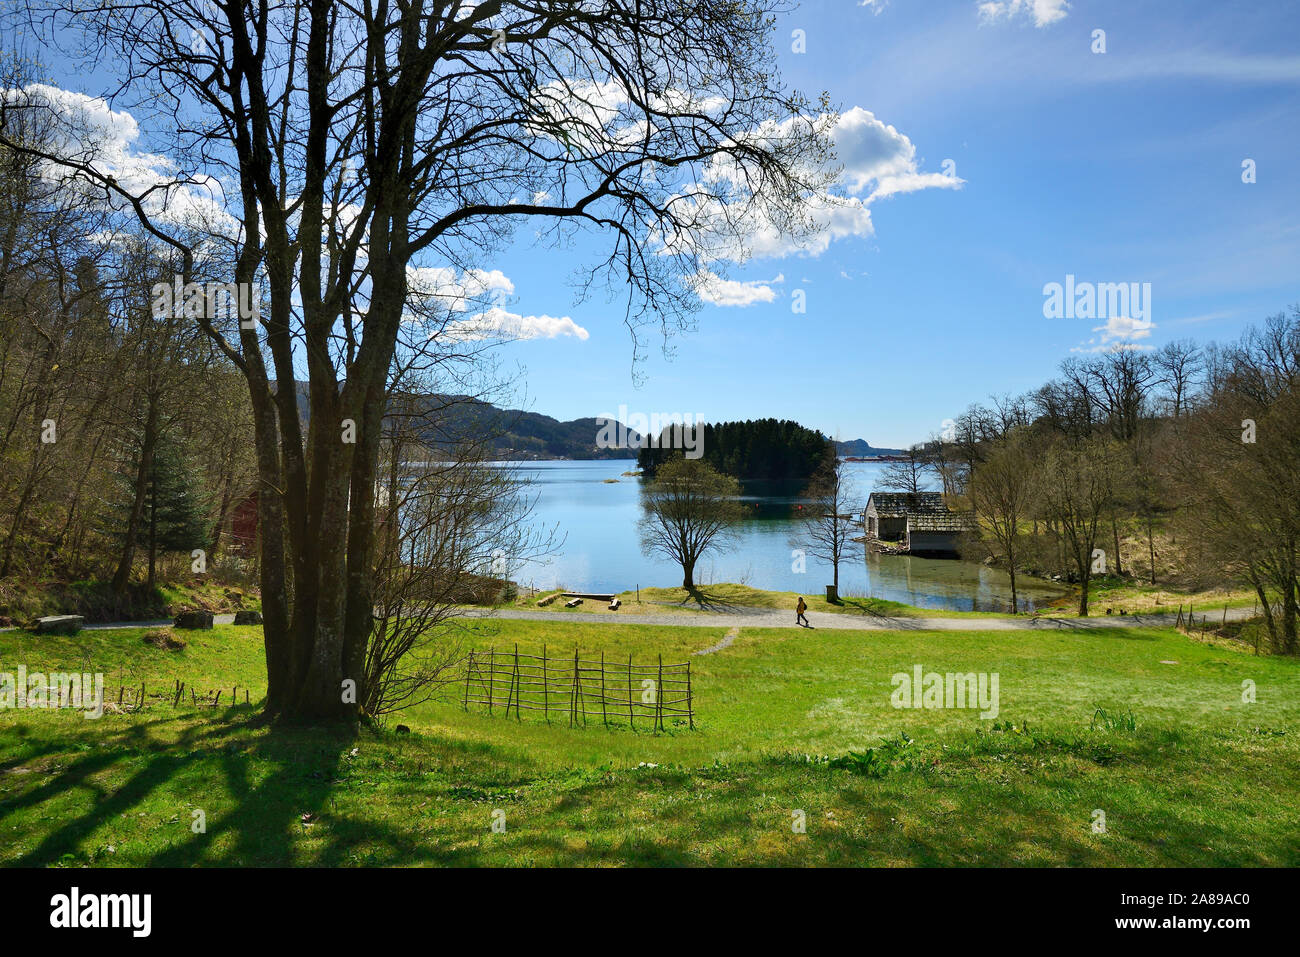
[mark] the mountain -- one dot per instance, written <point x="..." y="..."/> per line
<point x="860" y="448"/>
<point x="519" y="435"/>
<point x="513" y="434"/>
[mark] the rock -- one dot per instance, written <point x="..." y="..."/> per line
<point x="248" y="618"/>
<point x="402" y="729"/>
<point x="59" y="624"/>
<point x="194" y="620"/>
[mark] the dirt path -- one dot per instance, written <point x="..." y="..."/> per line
<point x="726" y="641"/>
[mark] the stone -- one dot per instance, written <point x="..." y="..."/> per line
<point x="194" y="620"/>
<point x="248" y="618"/>
<point x="59" y="624"/>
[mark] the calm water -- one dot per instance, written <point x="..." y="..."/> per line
<point x="601" y="551"/>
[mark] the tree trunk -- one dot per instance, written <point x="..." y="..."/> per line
<point x="153" y="527"/>
<point x="1151" y="547"/>
<point x="1114" y="528"/>
<point x="1085" y="579"/>
<point x="273" y="567"/>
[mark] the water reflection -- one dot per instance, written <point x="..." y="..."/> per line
<point x="601" y="521"/>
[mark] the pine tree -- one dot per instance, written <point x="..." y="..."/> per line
<point x="174" y="518"/>
<point x="177" y="508"/>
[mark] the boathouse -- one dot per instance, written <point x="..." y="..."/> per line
<point x="920" y="521"/>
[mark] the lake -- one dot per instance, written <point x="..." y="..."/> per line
<point x="601" y="552"/>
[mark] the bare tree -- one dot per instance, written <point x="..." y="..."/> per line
<point x="1236" y="469"/>
<point x="909" y="473"/>
<point x="453" y="528"/>
<point x="1179" y="365"/>
<point x="827" y="528"/>
<point x="1002" y="493"/>
<point x="365" y="140"/>
<point x="1077" y="490"/>
<point x="690" y="510"/>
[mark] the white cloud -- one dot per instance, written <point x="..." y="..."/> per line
<point x="717" y="291"/>
<point x="1044" y="12"/>
<point x="1119" y="332"/>
<point x="875" y="161"/>
<point x="87" y="129"/>
<point x="457" y="290"/>
<point x="498" y="323"/>
<point x="875" y="152"/>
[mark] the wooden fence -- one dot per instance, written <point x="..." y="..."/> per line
<point x="579" y="688"/>
<point x="131" y="699"/>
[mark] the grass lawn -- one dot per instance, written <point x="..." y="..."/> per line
<point x="728" y="596"/>
<point x="1135" y="596"/>
<point x="1132" y="596"/>
<point x="1200" y="778"/>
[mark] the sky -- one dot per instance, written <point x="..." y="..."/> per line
<point x="995" y="149"/>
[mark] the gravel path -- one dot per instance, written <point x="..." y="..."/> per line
<point x="736" y="618"/>
<point x="776" y="618"/>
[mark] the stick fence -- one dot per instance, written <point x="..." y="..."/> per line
<point x="579" y="688"/>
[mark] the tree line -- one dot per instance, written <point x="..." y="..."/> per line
<point x="122" y="434"/>
<point x="768" y="449"/>
<point x="1177" y="463"/>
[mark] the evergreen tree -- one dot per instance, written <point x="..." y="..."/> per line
<point x="177" y="507"/>
<point x="174" y="516"/>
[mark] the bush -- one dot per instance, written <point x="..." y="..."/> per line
<point x="163" y="638"/>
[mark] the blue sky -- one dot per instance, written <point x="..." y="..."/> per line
<point x="1123" y="166"/>
<point x="1115" y="167"/>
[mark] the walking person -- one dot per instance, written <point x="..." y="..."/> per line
<point x="799" y="609"/>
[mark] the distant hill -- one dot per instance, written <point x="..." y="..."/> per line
<point x="516" y="434"/>
<point x="513" y="434"/>
<point x="860" y="447"/>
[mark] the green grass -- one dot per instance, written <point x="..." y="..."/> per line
<point x="1132" y="596"/>
<point x="727" y="597"/>
<point x="788" y="720"/>
<point x="1137" y="596"/>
